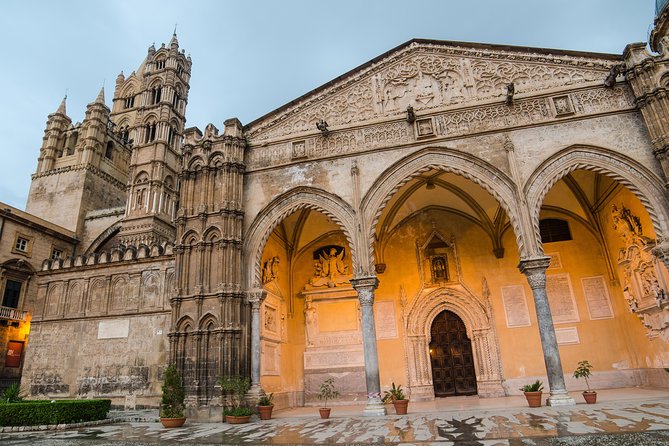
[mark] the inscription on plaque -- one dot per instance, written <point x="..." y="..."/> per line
<point x="561" y="299"/>
<point x="566" y="336"/>
<point x="384" y="320"/>
<point x="515" y="306"/>
<point x="556" y="260"/>
<point x="333" y="358"/>
<point x="113" y="329"/>
<point x="597" y="297"/>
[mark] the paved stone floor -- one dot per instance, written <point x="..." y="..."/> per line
<point x="615" y="420"/>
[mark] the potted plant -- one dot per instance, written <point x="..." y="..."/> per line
<point x="583" y="371"/>
<point x="235" y="387"/>
<point x="172" y="403"/>
<point x="533" y="393"/>
<point x="327" y="391"/>
<point x="265" y="406"/>
<point x="399" y="400"/>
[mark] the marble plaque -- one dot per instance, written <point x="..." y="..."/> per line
<point x="337" y="316"/>
<point x="515" y="306"/>
<point x="333" y="358"/>
<point x="597" y="297"/>
<point x="556" y="260"/>
<point x="270" y="359"/>
<point x="567" y="336"/>
<point x="384" y="320"/>
<point x="113" y="329"/>
<point x="561" y="299"/>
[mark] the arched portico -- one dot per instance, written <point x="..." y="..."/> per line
<point x="476" y="316"/>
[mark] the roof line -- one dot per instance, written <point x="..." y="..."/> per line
<point x="548" y="51"/>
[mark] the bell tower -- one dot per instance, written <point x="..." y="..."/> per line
<point x="149" y="112"/>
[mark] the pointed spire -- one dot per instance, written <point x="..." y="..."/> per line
<point x="61" y="107"/>
<point x="101" y="96"/>
<point x="174" y="43"/>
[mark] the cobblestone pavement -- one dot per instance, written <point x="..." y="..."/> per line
<point x="637" y="423"/>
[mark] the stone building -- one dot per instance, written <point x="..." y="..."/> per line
<point x="456" y="218"/>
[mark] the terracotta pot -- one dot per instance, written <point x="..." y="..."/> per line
<point x="172" y="422"/>
<point x="265" y="412"/>
<point x="237" y="420"/>
<point x="401" y="406"/>
<point x="533" y="398"/>
<point x="590" y="397"/>
<point x="325" y="412"/>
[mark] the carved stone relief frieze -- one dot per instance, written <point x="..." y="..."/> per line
<point x="643" y="277"/>
<point x="426" y="76"/>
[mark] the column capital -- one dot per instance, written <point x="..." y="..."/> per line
<point x="256" y="296"/>
<point x="535" y="270"/>
<point x="364" y="282"/>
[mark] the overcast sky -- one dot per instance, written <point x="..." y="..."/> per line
<point x="250" y="57"/>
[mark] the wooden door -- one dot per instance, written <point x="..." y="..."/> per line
<point x="451" y="357"/>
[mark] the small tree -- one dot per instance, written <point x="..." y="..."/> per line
<point x="172" y="403"/>
<point x="236" y="387"/>
<point x="583" y="371"/>
<point x="327" y="391"/>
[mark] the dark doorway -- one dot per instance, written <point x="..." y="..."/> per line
<point x="451" y="357"/>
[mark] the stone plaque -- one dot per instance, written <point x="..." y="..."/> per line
<point x="113" y="329"/>
<point x="556" y="260"/>
<point x="567" y="336"/>
<point x="270" y="359"/>
<point x="384" y="320"/>
<point x="334" y="358"/>
<point x="515" y="306"/>
<point x="337" y="316"/>
<point x="561" y="298"/>
<point x="597" y="297"/>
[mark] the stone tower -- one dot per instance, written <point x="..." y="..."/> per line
<point x="647" y="75"/>
<point x="149" y="112"/>
<point x="210" y="314"/>
<point x="81" y="167"/>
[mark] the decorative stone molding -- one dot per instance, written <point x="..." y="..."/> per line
<point x="419" y="316"/>
<point x="646" y="185"/>
<point x="365" y="287"/>
<point x="281" y="207"/>
<point x="535" y="270"/>
<point x="496" y="182"/>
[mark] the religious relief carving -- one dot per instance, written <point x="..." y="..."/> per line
<point x="438" y="260"/>
<point x="330" y="270"/>
<point x="643" y="277"/>
<point x="270" y="270"/>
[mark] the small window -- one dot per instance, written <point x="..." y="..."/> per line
<point x="129" y="102"/>
<point x="179" y="69"/>
<point x="56" y="254"/>
<point x="110" y="150"/>
<point x="160" y="64"/>
<point x="554" y="230"/>
<point x="21" y="244"/>
<point x="12" y="293"/>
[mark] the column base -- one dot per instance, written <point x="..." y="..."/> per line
<point x="253" y="395"/>
<point x="375" y="408"/>
<point x="560" y="398"/>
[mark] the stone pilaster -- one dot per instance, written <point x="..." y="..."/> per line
<point x="365" y="287"/>
<point x="535" y="270"/>
<point x="255" y="298"/>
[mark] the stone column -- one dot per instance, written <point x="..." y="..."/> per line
<point x="256" y="298"/>
<point x="535" y="270"/>
<point x="365" y="287"/>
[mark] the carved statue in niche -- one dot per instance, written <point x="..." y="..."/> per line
<point x="329" y="269"/>
<point x="439" y="268"/>
<point x="310" y="321"/>
<point x="270" y="270"/>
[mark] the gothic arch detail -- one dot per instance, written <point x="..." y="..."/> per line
<point x="493" y="180"/>
<point x="643" y="183"/>
<point x="282" y="206"/>
<point x="480" y="329"/>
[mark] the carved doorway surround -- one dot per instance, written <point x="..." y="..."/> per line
<point x="451" y="357"/>
<point x="476" y="316"/>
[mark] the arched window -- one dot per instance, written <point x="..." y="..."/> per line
<point x="109" y="152"/>
<point x="156" y="94"/>
<point x="72" y="142"/>
<point x="554" y="230"/>
<point x="160" y="64"/>
<point x="150" y="135"/>
<point x="129" y="102"/>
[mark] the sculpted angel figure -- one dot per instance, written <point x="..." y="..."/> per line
<point x="330" y="270"/>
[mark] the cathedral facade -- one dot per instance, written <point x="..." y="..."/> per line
<point x="457" y="218"/>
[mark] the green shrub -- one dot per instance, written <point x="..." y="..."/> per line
<point x="13" y="394"/>
<point x="172" y="403"/>
<point x="35" y="413"/>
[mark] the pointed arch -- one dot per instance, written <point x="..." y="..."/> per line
<point x="207" y="320"/>
<point x="282" y="206"/>
<point x="185" y="324"/>
<point x="489" y="177"/>
<point x="190" y="238"/>
<point x="641" y="181"/>
<point x="212" y="233"/>
<point x="195" y="163"/>
<point x="475" y="314"/>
